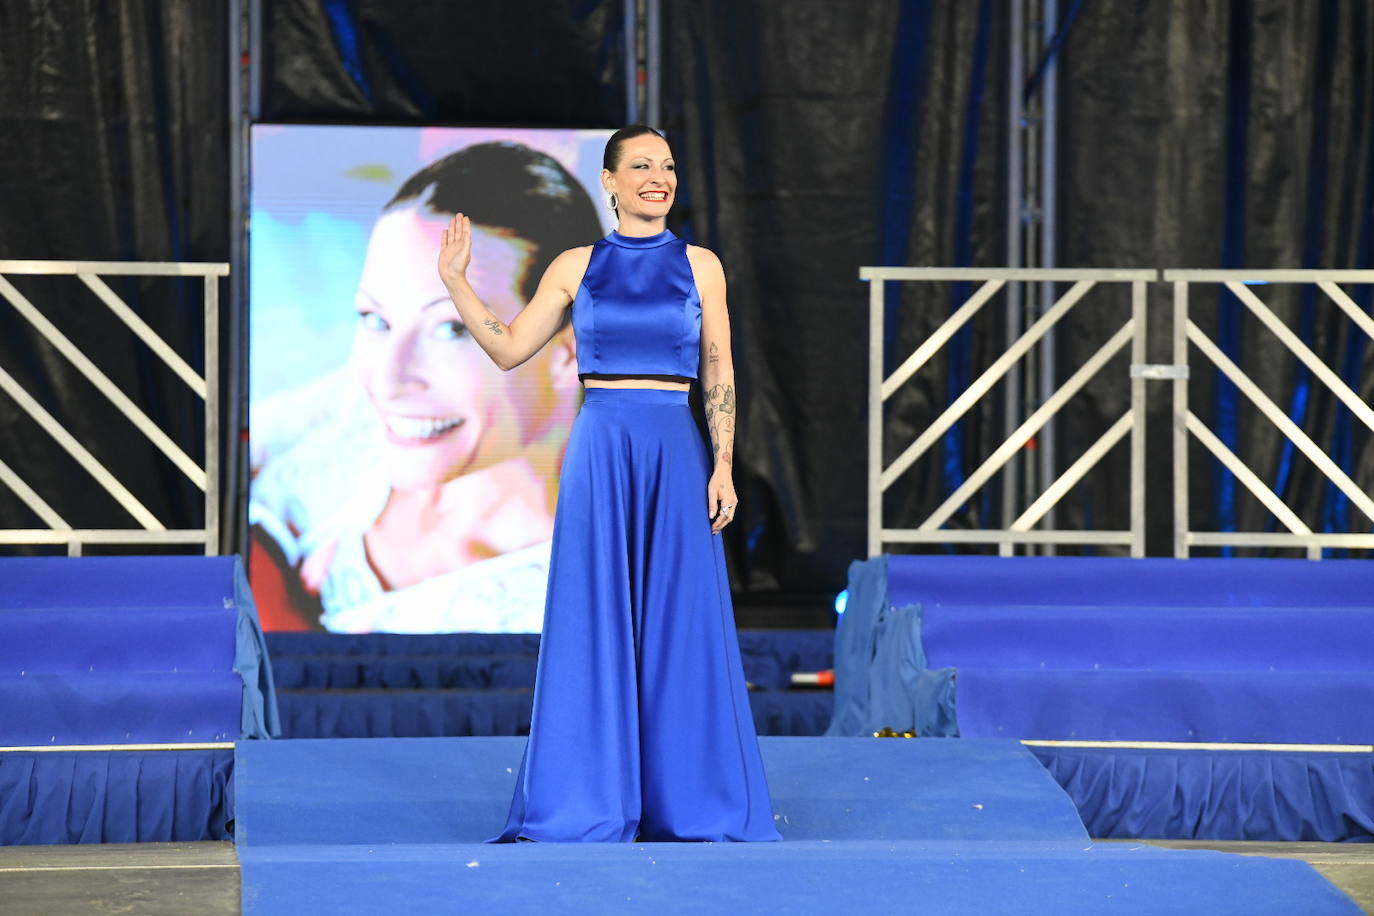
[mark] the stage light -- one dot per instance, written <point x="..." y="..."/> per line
<point x="841" y="600"/>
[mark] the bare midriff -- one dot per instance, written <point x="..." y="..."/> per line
<point x="662" y="382"/>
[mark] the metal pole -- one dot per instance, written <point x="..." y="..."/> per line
<point x="653" y="94"/>
<point x="1181" y="548"/>
<point x="631" y="62"/>
<point x="254" y="60"/>
<point x="1139" y="343"/>
<point x="241" y="28"/>
<point x="875" y="416"/>
<point x="212" y="425"/>
<point x="1048" y="167"/>
<point x="1030" y="236"/>
<point x="1016" y="114"/>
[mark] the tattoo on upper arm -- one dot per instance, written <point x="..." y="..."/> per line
<point x="494" y="325"/>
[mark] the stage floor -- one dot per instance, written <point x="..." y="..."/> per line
<point x="170" y="879"/>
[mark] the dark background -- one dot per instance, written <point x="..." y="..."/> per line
<point x="814" y="137"/>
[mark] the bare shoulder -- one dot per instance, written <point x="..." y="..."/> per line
<point x="566" y="270"/>
<point x="706" y="266"/>
<point x="574" y="259"/>
<point x="703" y="257"/>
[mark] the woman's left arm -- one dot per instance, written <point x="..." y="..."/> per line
<point x="718" y="384"/>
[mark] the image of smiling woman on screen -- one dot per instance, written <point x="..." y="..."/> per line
<point x="449" y="529"/>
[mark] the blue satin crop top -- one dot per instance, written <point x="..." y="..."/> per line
<point x="637" y="311"/>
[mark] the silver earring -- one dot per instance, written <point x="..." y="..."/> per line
<point x="612" y="202"/>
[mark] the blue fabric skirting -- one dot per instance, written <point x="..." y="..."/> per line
<point x="464" y="713"/>
<point x="472" y="660"/>
<point x="765" y="666"/>
<point x="54" y="797"/>
<point x="281" y="645"/>
<point x="1283" y="796"/>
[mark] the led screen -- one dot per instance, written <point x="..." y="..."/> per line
<point x="400" y="481"/>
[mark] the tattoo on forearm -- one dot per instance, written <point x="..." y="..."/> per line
<point x="713" y="355"/>
<point x="494" y="325"/>
<point x="720" y="420"/>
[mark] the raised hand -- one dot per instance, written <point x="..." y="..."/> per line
<point x="456" y="253"/>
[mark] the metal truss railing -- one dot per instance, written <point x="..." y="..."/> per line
<point x="1239" y="282"/>
<point x="151" y="531"/>
<point x="1020" y="530"/>
<point x="1186" y="424"/>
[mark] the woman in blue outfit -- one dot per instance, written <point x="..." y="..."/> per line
<point x="641" y="727"/>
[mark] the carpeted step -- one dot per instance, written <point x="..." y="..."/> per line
<point x="458" y="790"/>
<point x="1290" y="707"/>
<point x="105" y="638"/>
<point x="129" y="707"/>
<point x="1149" y="637"/>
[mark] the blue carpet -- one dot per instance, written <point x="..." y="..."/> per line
<point x="893" y="826"/>
<point x="812" y="876"/>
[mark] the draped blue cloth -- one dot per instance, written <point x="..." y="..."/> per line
<point x="882" y="676"/>
<point x="258" y="716"/>
<point x="641" y="727"/>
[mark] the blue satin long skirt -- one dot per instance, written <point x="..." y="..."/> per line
<point x="641" y="727"/>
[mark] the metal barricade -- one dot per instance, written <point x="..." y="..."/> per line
<point x="1186" y="423"/>
<point x="152" y="531"/>
<point x="1020" y="530"/>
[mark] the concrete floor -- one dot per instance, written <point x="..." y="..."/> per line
<point x="147" y="879"/>
<point x="172" y="879"/>
<point x="1349" y="866"/>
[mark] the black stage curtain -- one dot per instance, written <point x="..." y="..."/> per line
<point x="114" y="145"/>
<point x="1232" y="133"/>
<point x="815" y="137"/>
<point x="528" y="62"/>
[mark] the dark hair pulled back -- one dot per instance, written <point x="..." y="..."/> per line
<point x="610" y="160"/>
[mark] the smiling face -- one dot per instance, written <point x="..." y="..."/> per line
<point x="446" y="409"/>
<point x="644" y="181"/>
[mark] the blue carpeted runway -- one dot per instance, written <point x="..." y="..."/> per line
<point x="966" y="826"/>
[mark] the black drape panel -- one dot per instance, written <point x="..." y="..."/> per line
<point x="815" y="137"/>
<point x="1235" y="133"/>
<point x="114" y="145"/>
<point x="541" y="62"/>
<point x="809" y="135"/>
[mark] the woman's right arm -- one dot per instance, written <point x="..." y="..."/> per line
<point x="511" y="344"/>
